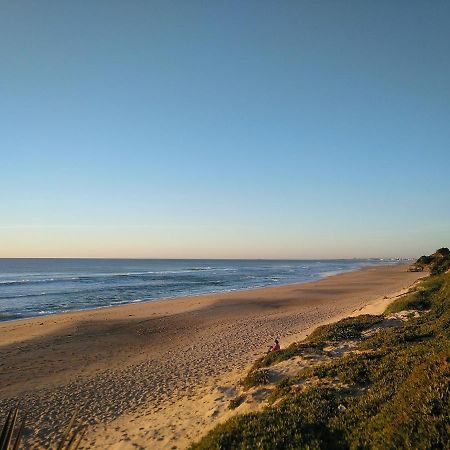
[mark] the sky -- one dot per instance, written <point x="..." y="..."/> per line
<point x="224" y="129"/>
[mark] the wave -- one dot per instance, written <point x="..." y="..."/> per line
<point x="34" y="294"/>
<point x="104" y="276"/>
<point x="10" y="316"/>
<point x="25" y="281"/>
<point x="113" y="289"/>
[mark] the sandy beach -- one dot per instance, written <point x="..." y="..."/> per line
<point x="159" y="374"/>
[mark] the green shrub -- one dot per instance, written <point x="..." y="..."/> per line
<point x="295" y="349"/>
<point x="352" y="369"/>
<point x="281" y="389"/>
<point x="420" y="299"/>
<point x="11" y="435"/>
<point x="424" y="260"/>
<point x="438" y="262"/>
<point x="300" y="422"/>
<point x="349" y="328"/>
<point x="256" y="378"/>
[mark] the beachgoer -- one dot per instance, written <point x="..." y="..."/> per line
<point x="275" y="347"/>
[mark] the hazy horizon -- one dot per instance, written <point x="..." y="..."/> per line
<point x="293" y="130"/>
<point x="206" y="259"/>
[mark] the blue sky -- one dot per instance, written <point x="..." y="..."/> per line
<point x="257" y="129"/>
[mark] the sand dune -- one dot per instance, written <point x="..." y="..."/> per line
<point x="159" y="374"/>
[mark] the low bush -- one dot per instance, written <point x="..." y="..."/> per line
<point x="419" y="299"/>
<point x="437" y="263"/>
<point x="352" y="369"/>
<point x="281" y="389"/>
<point x="349" y="328"/>
<point x="256" y="378"/>
<point x="300" y="422"/>
<point x="295" y="349"/>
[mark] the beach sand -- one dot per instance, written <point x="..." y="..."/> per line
<point x="160" y="374"/>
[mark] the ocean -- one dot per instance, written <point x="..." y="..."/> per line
<point x="36" y="287"/>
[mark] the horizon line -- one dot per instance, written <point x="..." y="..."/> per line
<point x="380" y="258"/>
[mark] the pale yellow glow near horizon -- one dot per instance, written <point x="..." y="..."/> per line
<point x="245" y="243"/>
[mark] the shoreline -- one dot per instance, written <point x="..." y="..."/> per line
<point x="210" y="293"/>
<point x="128" y="366"/>
<point x="206" y="294"/>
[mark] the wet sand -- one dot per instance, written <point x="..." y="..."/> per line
<point x="159" y="374"/>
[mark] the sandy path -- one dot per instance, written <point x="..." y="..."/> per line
<point x="151" y="375"/>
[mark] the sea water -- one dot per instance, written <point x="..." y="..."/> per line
<point x="35" y="287"/>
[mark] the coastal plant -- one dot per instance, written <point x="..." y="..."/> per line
<point x="419" y="298"/>
<point x="437" y="263"/>
<point x="11" y="436"/>
<point x="276" y="357"/>
<point x="7" y="439"/>
<point x="349" y="328"/>
<point x="293" y="350"/>
<point x="256" y="378"/>
<point x="351" y="369"/>
<point x="282" y="388"/>
<point x="299" y="422"/>
<point x="393" y="392"/>
<point x="72" y="436"/>
<point x="236" y="401"/>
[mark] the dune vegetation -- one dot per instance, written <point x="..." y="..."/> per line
<point x="389" y="390"/>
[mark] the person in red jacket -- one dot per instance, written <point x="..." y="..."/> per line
<point x="275" y="347"/>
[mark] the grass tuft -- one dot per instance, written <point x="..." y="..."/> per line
<point x="236" y="401"/>
<point x="256" y="378"/>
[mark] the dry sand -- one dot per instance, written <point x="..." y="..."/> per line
<point x="160" y="374"/>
